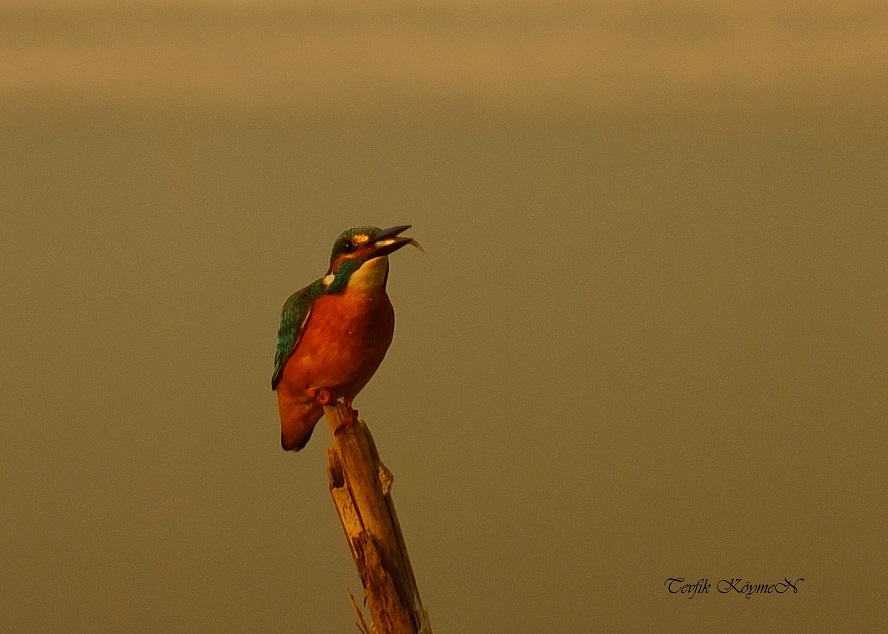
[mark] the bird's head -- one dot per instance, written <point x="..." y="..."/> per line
<point x="359" y="257"/>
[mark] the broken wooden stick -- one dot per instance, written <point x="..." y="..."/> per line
<point x="360" y="485"/>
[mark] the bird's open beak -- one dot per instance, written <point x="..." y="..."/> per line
<point x="388" y="240"/>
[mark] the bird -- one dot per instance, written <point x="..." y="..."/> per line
<point x="334" y="333"/>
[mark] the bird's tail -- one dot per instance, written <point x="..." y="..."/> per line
<point x="298" y="420"/>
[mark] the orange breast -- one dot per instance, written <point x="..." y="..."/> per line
<point x="344" y="341"/>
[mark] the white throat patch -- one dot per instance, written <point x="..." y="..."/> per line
<point x="371" y="275"/>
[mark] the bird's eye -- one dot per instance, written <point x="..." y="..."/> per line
<point x="348" y="246"/>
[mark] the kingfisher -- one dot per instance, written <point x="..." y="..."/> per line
<point x="335" y="332"/>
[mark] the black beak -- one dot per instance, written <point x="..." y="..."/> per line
<point x="387" y="240"/>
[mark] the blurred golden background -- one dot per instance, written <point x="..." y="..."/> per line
<point x="647" y="339"/>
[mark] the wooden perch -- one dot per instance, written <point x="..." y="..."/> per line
<point x="359" y="484"/>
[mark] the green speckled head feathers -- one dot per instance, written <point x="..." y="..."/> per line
<point x="357" y="246"/>
<point x="346" y="241"/>
<point x="365" y="243"/>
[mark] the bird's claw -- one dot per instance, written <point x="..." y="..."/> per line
<point x="321" y="394"/>
<point x="352" y="413"/>
<point x="325" y="397"/>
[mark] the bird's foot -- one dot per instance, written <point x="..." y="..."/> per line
<point x="321" y="394"/>
<point x="352" y="413"/>
<point x="325" y="397"/>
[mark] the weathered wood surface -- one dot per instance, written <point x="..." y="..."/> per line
<point x="360" y="485"/>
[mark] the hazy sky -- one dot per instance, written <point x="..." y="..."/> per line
<point x="249" y="54"/>
<point x="647" y="338"/>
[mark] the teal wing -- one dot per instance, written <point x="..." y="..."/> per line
<point x="293" y="318"/>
